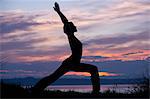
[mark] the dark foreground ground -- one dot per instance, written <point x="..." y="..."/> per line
<point x="15" y="91"/>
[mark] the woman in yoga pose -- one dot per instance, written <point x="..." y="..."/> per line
<point x="73" y="62"/>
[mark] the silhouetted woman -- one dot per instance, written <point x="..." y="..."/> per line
<point x="73" y="62"/>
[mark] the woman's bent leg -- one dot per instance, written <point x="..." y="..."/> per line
<point x="82" y="67"/>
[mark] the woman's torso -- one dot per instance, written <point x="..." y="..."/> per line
<point x="76" y="48"/>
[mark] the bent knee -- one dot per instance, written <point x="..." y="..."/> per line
<point x="94" y="69"/>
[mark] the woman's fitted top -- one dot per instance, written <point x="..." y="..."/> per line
<point x="76" y="48"/>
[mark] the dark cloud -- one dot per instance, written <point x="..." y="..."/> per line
<point x="11" y="23"/>
<point x="114" y="44"/>
<point x="132" y="53"/>
<point x="50" y="52"/>
<point x="148" y="59"/>
<point x="135" y="46"/>
<point x="94" y="57"/>
<point x="120" y="39"/>
<point x="12" y="27"/>
<point x="18" y="45"/>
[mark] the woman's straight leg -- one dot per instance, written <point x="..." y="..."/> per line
<point x="43" y="83"/>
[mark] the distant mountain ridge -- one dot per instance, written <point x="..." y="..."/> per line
<point x="30" y="81"/>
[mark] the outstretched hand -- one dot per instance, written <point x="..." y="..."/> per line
<point x="56" y="7"/>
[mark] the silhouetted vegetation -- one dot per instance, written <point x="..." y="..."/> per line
<point x="16" y="91"/>
<point x="12" y="90"/>
<point x="141" y="89"/>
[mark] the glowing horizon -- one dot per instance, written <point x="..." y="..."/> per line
<point x="88" y="74"/>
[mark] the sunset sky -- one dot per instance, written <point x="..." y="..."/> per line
<point x="113" y="32"/>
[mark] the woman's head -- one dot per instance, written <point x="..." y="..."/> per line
<point x="69" y="27"/>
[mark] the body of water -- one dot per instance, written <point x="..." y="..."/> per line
<point x="123" y="88"/>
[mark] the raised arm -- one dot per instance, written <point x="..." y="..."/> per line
<point x="57" y="9"/>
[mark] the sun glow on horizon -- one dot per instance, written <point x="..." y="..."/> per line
<point x="88" y="74"/>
